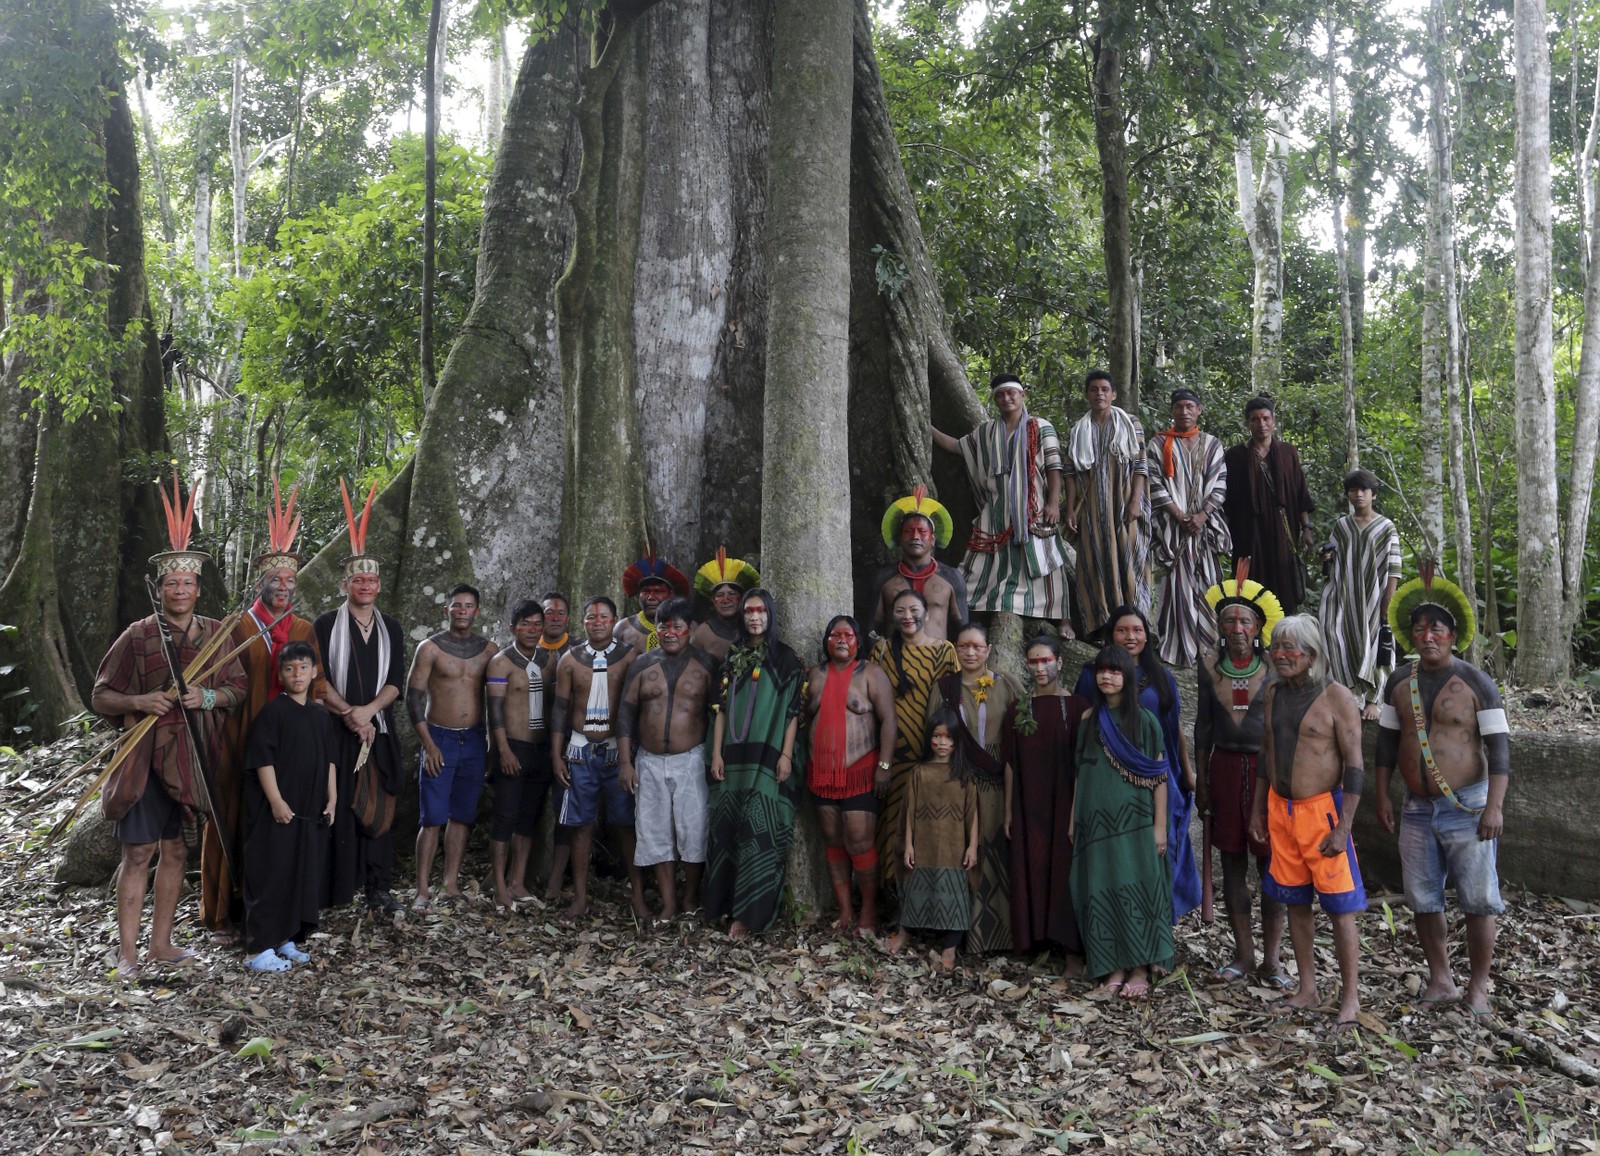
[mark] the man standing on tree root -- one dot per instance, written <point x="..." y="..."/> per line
<point x="157" y="790"/>
<point x="517" y="721"/>
<point x="1444" y="725"/>
<point x="264" y="630"/>
<point x="1188" y="483"/>
<point x="722" y="582"/>
<point x="444" y="696"/>
<point x="364" y="656"/>
<point x="589" y="683"/>
<point x="1014" y="560"/>
<point x="1311" y="749"/>
<point x="661" y="734"/>
<point x="652" y="582"/>
<point x="912" y="525"/>
<point x="1269" y="507"/>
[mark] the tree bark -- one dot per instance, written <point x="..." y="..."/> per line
<point x="1341" y="263"/>
<point x="1261" y="214"/>
<point x="1586" y="399"/>
<point x="1542" y="651"/>
<point x="1430" y="428"/>
<point x="1111" y="143"/>
<point x="430" y="185"/>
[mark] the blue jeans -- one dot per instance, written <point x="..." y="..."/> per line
<point x="453" y="793"/>
<point x="1439" y="845"/>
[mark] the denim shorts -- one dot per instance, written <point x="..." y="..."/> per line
<point x="453" y="793"/>
<point x="592" y="774"/>
<point x="1439" y="847"/>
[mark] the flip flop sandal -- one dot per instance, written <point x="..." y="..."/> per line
<point x="292" y="953"/>
<point x="1134" y="989"/>
<point x="127" y="971"/>
<point x="268" y="960"/>
<point x="187" y="959"/>
<point x="1276" y="980"/>
<point x="1233" y="973"/>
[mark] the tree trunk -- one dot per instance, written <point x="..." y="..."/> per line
<point x="241" y="167"/>
<point x="1542" y="651"/>
<point x="169" y="231"/>
<point x="1586" y="400"/>
<point x="1430" y="431"/>
<point x="1261" y="214"/>
<point x="430" y="183"/>
<point x="1341" y="264"/>
<point x="1111" y="143"/>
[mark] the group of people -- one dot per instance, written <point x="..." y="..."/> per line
<point x="985" y="811"/>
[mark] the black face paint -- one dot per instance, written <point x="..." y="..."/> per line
<point x="462" y="648"/>
<point x="1289" y="706"/>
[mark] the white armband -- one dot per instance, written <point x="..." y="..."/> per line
<point x="1389" y="718"/>
<point x="1493" y="722"/>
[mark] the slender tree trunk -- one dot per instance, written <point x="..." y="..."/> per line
<point x="430" y="138"/>
<point x="1430" y="433"/>
<point x="169" y="232"/>
<point x="1261" y="214"/>
<point x="1111" y="142"/>
<point x="1586" y="400"/>
<point x="1542" y="646"/>
<point x="1341" y="264"/>
<point x="241" y="168"/>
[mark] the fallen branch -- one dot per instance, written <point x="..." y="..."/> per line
<point x="344" y="1122"/>
<point x="1551" y="1056"/>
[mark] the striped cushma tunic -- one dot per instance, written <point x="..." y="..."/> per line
<point x="1364" y="559"/>
<point x="1113" y="557"/>
<point x="1195" y="479"/>
<point x="1008" y="567"/>
<point x="913" y="675"/>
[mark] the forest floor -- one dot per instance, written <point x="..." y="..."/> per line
<point x="466" y="1032"/>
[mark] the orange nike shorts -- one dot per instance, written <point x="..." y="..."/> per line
<point x="1297" y="828"/>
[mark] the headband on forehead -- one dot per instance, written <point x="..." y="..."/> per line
<point x="1006" y="381"/>
<point x="1184" y="393"/>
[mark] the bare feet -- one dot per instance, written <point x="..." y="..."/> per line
<point x="896" y="943"/>
<point x="845" y="924"/>
<point x="640" y="909"/>
<point x="944" y="960"/>
<point x="737" y="930"/>
<point x="1074" y="967"/>
<point x="1304" y="1000"/>
<point x="574" y="913"/>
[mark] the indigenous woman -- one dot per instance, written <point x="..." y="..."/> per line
<point x="1120" y="886"/>
<point x="1158" y="694"/>
<point x="1037" y="744"/>
<point x="982" y="699"/>
<point x="753" y="785"/>
<point x="851" y="707"/>
<point x="914" y="663"/>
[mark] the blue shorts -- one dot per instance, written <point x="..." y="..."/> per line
<point x="453" y="793"/>
<point x="1439" y="846"/>
<point x="592" y="772"/>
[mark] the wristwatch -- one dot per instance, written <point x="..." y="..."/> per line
<point x="883" y="764"/>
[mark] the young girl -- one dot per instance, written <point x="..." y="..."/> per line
<point x="1121" y="888"/>
<point x="941" y="842"/>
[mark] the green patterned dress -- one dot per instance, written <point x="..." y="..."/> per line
<point x="752" y="814"/>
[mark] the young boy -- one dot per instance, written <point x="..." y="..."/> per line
<point x="288" y="808"/>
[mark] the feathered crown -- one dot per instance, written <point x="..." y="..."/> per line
<point x="180" y="526"/>
<point x="652" y="567"/>
<point x="283" y="524"/>
<point x="917" y="503"/>
<point x="358" y="561"/>
<point x="1241" y="591"/>
<point x="1441" y="594"/>
<point x="725" y="571"/>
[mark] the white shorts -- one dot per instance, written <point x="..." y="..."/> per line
<point x="671" y="804"/>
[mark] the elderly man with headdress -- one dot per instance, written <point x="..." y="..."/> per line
<point x="1014" y="560"/>
<point x="1268" y="506"/>
<point x="1188" y="484"/>
<point x="363" y="651"/>
<point x="160" y="788"/>
<point x="912" y="525"/>
<point x="1444" y="726"/>
<point x="1229" y="716"/>
<point x="722" y="582"/>
<point x="1362" y="557"/>
<point x="1108" y="505"/>
<point x="263" y="631"/>
<point x="651" y="581"/>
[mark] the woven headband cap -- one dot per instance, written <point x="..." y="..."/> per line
<point x="180" y="527"/>
<point x="358" y="561"/>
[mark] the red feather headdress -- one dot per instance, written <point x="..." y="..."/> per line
<point x="359" y="561"/>
<point x="180" y="527"/>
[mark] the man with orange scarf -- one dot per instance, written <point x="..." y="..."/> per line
<point x="267" y="627"/>
<point x="1188" y="483"/>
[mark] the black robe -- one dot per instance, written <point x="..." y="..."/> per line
<point x="285" y="863"/>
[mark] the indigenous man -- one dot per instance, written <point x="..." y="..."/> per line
<point x="1108" y="506"/>
<point x="1311" y="748"/>
<point x="1268" y="506"/>
<point x="365" y="652"/>
<point x="263" y="631"/>
<point x="1014" y="560"/>
<point x="652" y="582"/>
<point x="158" y="788"/>
<point x="913" y="524"/>
<point x="444" y="696"/>
<point x="1229" y="720"/>
<point x="661" y="734"/>
<point x="517" y="723"/>
<point x="583" y="748"/>
<point x="1444" y="726"/>
<point x="553" y="643"/>
<point x="851" y="705"/>
<point x="1188" y="483"/>
<point x="1363" y="561"/>
<point x="722" y="582"/>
